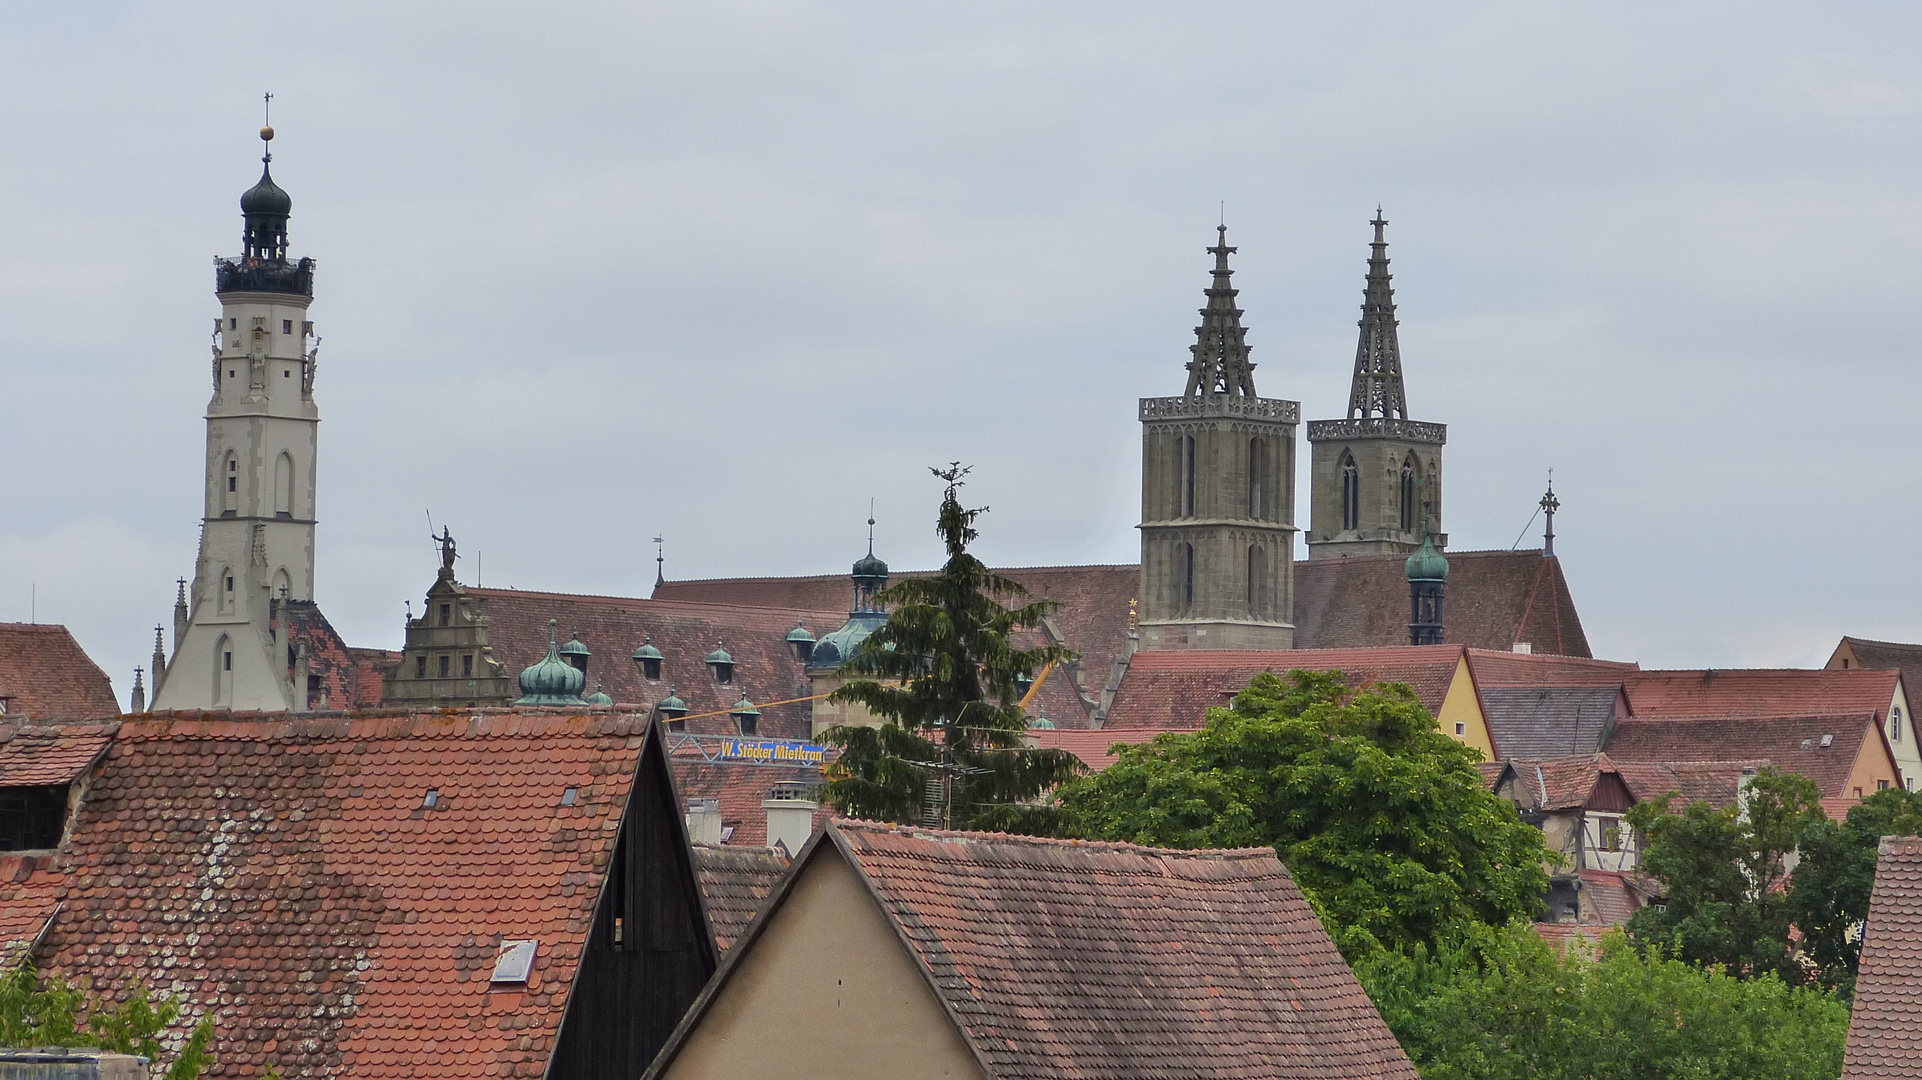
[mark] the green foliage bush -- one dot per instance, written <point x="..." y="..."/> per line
<point x="53" y="1012"/>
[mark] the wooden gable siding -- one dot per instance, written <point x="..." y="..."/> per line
<point x="1610" y="795"/>
<point x="631" y="992"/>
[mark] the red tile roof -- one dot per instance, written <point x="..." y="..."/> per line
<point x="1172" y="691"/>
<point x="339" y="677"/>
<point x="735" y="882"/>
<point x="613" y="627"/>
<point x="1061" y="959"/>
<point x="1885" y="656"/>
<point x="285" y="876"/>
<point x="1713" y="782"/>
<point x="1092" y="747"/>
<point x="1614" y="899"/>
<point x="29" y="898"/>
<point x="1790" y="743"/>
<point x="740" y="786"/>
<point x="1495" y="598"/>
<point x="1498" y="669"/>
<point x="1759" y="692"/>
<point x="38" y="756"/>
<point x="46" y="675"/>
<point x="1560" y="783"/>
<point x="1885" y="1025"/>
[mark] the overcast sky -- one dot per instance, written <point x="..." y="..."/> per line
<point x="723" y="271"/>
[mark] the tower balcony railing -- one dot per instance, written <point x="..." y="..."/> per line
<point x="250" y="273"/>
<point x="1180" y="408"/>
<point x="1378" y="427"/>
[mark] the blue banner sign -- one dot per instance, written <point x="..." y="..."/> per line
<point x="773" y="750"/>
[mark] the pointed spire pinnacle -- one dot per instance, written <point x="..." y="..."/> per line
<point x="660" y="562"/>
<point x="1549" y="505"/>
<point x="1220" y="364"/>
<point x="1378" y="387"/>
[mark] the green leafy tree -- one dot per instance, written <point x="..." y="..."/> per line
<point x="1384" y="822"/>
<point x="943" y="675"/>
<point x="1726" y="875"/>
<point x="1499" y="1003"/>
<point x="1829" y="894"/>
<point x="52" y="1012"/>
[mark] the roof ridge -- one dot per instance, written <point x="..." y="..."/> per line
<point x="703" y="604"/>
<point x="860" y="825"/>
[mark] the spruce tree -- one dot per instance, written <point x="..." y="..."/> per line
<point x="943" y="674"/>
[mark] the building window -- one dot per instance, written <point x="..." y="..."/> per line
<point x="1895" y="723"/>
<point x="446" y="615"/>
<point x="233" y="324"/>
<point x="1187" y="576"/>
<point x="1350" y="493"/>
<point x="1187" y="476"/>
<point x="1610" y="830"/>
<point x="1408" y="522"/>
<point x="1256" y="456"/>
<point x="420" y="667"/>
<point x="467" y="666"/>
<point x="444" y="666"/>
<point x="1881" y="785"/>
<point x="230" y="499"/>
<point x="286" y="326"/>
<point x="32" y="818"/>
<point x="1461" y="728"/>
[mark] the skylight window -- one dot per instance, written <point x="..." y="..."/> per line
<point x="431" y="799"/>
<point x="514" y="961"/>
<point x="569" y="795"/>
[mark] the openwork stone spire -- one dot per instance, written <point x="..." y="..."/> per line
<point x="1378" y="389"/>
<point x="1221" y="362"/>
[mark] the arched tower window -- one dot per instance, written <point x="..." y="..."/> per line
<point x="1187" y="576"/>
<point x="1257" y="582"/>
<point x="1187" y="476"/>
<point x="1350" y="493"/>
<point x="284" y="485"/>
<point x="283" y="585"/>
<point x="1257" y="475"/>
<point x="225" y="586"/>
<point x="230" y="485"/>
<point x="224" y="671"/>
<point x="1409" y="482"/>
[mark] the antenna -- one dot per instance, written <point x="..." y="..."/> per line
<point x="660" y="562"/>
<point x="870" y="524"/>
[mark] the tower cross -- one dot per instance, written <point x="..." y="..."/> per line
<point x="1549" y="505"/>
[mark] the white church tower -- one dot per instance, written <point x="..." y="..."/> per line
<point x="232" y="649"/>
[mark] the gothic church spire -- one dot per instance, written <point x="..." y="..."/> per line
<point x="1220" y="364"/>
<point x="1378" y="388"/>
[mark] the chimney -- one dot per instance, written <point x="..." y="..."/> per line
<point x="1525" y="648"/>
<point x="704" y="821"/>
<point x="790" y="815"/>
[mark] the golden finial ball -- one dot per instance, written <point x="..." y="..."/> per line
<point x="266" y="134"/>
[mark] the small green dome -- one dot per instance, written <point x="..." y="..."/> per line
<point x="672" y="703"/>
<point x="598" y="697"/>
<point x="1427" y="563"/>
<point x="552" y="681"/>
<point x="647" y="651"/>
<point x="1041" y="723"/>
<point x="867" y="566"/>
<point x="799" y="633"/>
<point x="574" y="646"/>
<point x="719" y="656"/>
<point x="744" y="707"/>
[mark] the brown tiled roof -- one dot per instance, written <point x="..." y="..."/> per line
<point x="1548" y="721"/>
<point x="1560" y="783"/>
<point x="339" y="677"/>
<point x="1790" y="743"/>
<point x="1171" y="691"/>
<point x="29" y="898"/>
<point x="37" y="756"/>
<point x="1491" y="772"/>
<point x="46" y="675"/>
<point x="1501" y="668"/>
<point x="1092" y="747"/>
<point x="613" y="627"/>
<point x="1885" y="1025"/>
<point x="1065" y="960"/>
<point x="740" y="786"/>
<point x="1615" y="900"/>
<point x="1495" y="598"/>
<point x="285" y="876"/>
<point x="1713" y="782"/>
<point x="1887" y="656"/>
<point x="735" y="882"/>
<point x="1759" y="692"/>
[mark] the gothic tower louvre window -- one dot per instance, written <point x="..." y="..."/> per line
<point x="1409" y="483"/>
<point x="230" y="486"/>
<point x="284" y="485"/>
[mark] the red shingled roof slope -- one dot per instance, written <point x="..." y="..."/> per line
<point x="1759" y="692"/>
<point x="29" y="896"/>
<point x="338" y="678"/>
<point x="1885" y="1026"/>
<point x="286" y="876"/>
<point x="735" y="882"/>
<point x="1883" y="656"/>
<point x="740" y="786"/>
<point x="1790" y="743"/>
<point x="1092" y="747"/>
<point x="1073" y="960"/>
<point x="1173" y="690"/>
<point x="1713" y="782"/>
<point x="37" y="756"/>
<point x="1561" y="783"/>
<point x="1505" y="669"/>
<point x="1495" y="598"/>
<point x="46" y="675"/>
